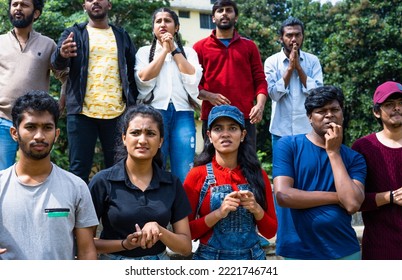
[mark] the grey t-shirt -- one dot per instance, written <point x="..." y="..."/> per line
<point x="37" y="222"/>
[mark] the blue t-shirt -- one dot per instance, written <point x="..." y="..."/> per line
<point x="323" y="232"/>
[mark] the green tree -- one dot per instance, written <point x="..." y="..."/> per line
<point x="363" y="51"/>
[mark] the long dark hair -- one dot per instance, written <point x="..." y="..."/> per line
<point x="249" y="164"/>
<point x="130" y="114"/>
<point x="177" y="39"/>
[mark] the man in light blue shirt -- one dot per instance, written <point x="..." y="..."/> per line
<point x="290" y="74"/>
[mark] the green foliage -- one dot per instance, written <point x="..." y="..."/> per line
<point x="266" y="165"/>
<point x="363" y="51"/>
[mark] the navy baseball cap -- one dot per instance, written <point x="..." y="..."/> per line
<point x="226" y="111"/>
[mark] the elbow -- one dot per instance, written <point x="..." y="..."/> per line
<point x="282" y="199"/>
<point x="352" y="206"/>
<point x="186" y="250"/>
<point x="352" y="209"/>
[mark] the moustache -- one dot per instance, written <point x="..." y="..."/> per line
<point x="39" y="144"/>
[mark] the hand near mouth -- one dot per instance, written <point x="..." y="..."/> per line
<point x="333" y="137"/>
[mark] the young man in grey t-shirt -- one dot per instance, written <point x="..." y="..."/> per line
<point x="44" y="209"/>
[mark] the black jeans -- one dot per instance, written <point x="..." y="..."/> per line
<point x="83" y="133"/>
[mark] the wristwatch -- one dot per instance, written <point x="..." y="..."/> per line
<point x="176" y="51"/>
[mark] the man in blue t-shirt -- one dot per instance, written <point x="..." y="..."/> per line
<point x="321" y="181"/>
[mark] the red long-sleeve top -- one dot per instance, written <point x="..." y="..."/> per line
<point x="235" y="71"/>
<point x="267" y="226"/>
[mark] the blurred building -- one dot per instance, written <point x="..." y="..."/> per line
<point x="195" y="19"/>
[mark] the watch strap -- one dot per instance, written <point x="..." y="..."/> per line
<point x="176" y="51"/>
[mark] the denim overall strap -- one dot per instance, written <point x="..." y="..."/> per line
<point x="209" y="180"/>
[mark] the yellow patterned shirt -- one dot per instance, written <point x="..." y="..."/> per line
<point x="103" y="96"/>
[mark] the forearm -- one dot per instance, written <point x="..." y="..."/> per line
<point x="286" y="77"/>
<point x="383" y="198"/>
<point x="261" y="100"/>
<point x="204" y="95"/>
<point x="299" y="199"/>
<point x="58" y="62"/>
<point x="350" y="194"/>
<point x="153" y="69"/>
<point x="302" y="76"/>
<point x="184" y="66"/>
<point x="177" y="242"/>
<point x="213" y="218"/>
<point x="104" y="246"/>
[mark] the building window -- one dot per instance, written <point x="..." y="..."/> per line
<point x="184" y="14"/>
<point x="206" y="21"/>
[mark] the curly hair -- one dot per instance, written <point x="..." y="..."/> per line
<point x="321" y="96"/>
<point x="34" y="101"/>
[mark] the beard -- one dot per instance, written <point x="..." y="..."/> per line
<point x="95" y="17"/>
<point x="288" y="49"/>
<point x="25" y="149"/>
<point x="21" y="23"/>
<point x="397" y="123"/>
<point x="226" y="26"/>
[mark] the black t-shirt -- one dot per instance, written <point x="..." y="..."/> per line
<point x="120" y="205"/>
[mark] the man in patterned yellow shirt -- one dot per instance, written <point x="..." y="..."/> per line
<point x="101" y="59"/>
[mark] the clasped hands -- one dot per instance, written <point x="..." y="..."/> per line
<point x="167" y="42"/>
<point x="145" y="237"/>
<point x="235" y="199"/>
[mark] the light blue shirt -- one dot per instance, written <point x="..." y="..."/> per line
<point x="288" y="116"/>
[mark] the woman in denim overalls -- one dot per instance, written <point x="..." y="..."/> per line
<point x="230" y="194"/>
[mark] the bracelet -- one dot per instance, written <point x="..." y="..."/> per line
<point x="124" y="247"/>
<point x="391" y="198"/>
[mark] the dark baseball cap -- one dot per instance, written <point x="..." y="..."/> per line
<point x="385" y="90"/>
<point x="226" y="111"/>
